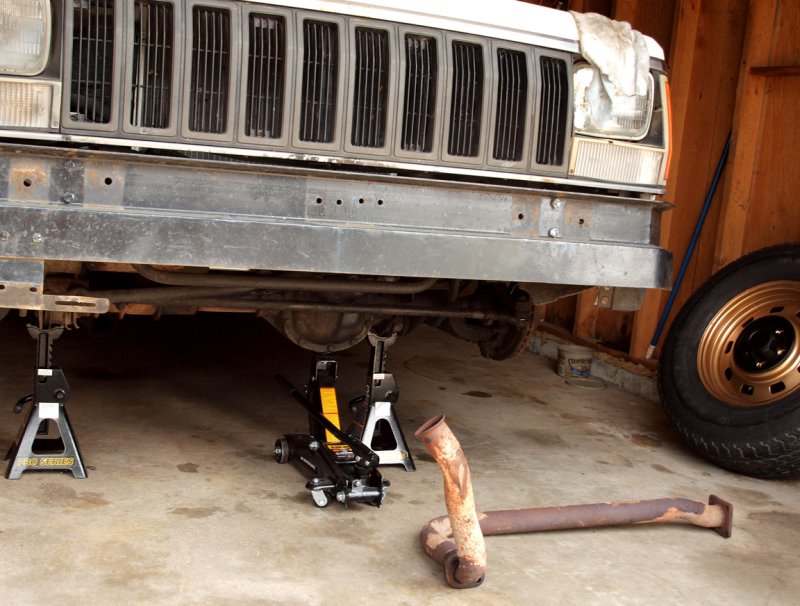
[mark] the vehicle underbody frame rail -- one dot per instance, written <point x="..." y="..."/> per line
<point x="126" y="208"/>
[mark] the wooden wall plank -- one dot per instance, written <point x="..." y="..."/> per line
<point x="747" y="124"/>
<point x="774" y="212"/>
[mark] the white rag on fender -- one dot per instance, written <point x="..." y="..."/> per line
<point x="617" y="50"/>
<point x="619" y="53"/>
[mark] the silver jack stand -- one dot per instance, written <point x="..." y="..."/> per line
<point x="382" y="432"/>
<point x="31" y="451"/>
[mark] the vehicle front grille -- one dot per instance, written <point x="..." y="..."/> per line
<point x="296" y="82"/>
<point x="419" y="108"/>
<point x="371" y="89"/>
<point x="92" y="70"/>
<point x="210" y="70"/>
<point x="267" y="74"/>
<point x="467" y="100"/>
<point x="553" y="111"/>
<point x="153" y="44"/>
<point x="512" y="99"/>
<point x="320" y="74"/>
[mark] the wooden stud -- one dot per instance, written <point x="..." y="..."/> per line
<point x="586" y="313"/>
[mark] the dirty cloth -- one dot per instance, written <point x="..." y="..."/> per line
<point x="617" y="50"/>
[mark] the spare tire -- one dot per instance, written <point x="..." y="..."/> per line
<point x="729" y="373"/>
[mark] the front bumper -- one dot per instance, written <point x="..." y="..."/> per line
<point x="69" y="205"/>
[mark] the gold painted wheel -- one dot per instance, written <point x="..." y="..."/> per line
<point x="749" y="354"/>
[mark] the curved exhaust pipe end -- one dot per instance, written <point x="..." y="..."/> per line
<point x="463" y="557"/>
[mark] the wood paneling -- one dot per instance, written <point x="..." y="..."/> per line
<point x="774" y="215"/>
<point x="763" y="182"/>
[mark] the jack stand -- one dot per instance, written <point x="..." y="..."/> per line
<point x="382" y="393"/>
<point x="342" y="468"/>
<point x="48" y="403"/>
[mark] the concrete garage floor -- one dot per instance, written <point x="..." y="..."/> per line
<point x="184" y="504"/>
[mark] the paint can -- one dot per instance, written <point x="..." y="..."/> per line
<point x="574" y="361"/>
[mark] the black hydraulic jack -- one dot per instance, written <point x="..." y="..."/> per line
<point x="38" y="446"/>
<point x="343" y="465"/>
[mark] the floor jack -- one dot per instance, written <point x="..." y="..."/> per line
<point x="36" y="447"/>
<point x="343" y="465"/>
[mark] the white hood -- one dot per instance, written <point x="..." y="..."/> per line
<point x="502" y="19"/>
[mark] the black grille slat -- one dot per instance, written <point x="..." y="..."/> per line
<point x="512" y="99"/>
<point x="420" y="93"/>
<point x="320" y="75"/>
<point x="153" y="42"/>
<point x="371" y="87"/>
<point x="552" y="111"/>
<point x="466" y="100"/>
<point x="210" y="70"/>
<point x="267" y="75"/>
<point x="91" y="85"/>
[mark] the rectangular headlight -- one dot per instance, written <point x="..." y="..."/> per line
<point x="623" y="117"/>
<point x="24" y="36"/>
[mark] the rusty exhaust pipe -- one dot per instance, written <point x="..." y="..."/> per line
<point x="456" y="540"/>
<point x="464" y="560"/>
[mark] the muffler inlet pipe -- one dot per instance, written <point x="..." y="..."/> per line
<point x="446" y="544"/>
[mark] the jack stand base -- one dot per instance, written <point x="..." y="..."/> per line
<point x="379" y="419"/>
<point x="30" y="453"/>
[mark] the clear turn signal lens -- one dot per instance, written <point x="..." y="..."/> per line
<point x="24" y="36"/>
<point x="617" y="162"/>
<point x="27" y="103"/>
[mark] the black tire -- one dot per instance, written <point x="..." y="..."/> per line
<point x="731" y="387"/>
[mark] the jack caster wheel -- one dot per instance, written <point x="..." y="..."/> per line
<point x="281" y="451"/>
